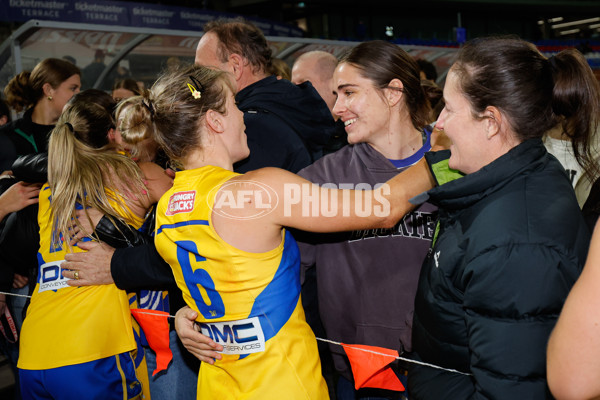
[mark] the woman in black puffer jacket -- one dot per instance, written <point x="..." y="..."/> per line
<point x="511" y="239"/>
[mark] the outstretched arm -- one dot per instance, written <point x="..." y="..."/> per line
<point x="130" y="268"/>
<point x="314" y="208"/>
<point x="270" y="198"/>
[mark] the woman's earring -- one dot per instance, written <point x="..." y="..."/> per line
<point x="50" y="98"/>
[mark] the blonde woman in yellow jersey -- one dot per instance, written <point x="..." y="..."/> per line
<point x="76" y="341"/>
<point x="223" y="235"/>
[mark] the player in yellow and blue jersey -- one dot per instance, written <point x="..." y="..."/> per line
<point x="76" y="341"/>
<point x="222" y="233"/>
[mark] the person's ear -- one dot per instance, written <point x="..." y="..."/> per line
<point x="393" y="91"/>
<point x="215" y="121"/>
<point x="48" y="90"/>
<point x="3" y="120"/>
<point x="493" y="121"/>
<point x="237" y="63"/>
<point x="114" y="136"/>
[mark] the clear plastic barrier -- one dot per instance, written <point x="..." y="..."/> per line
<point x="142" y="53"/>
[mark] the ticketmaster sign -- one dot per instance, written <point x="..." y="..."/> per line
<point x="126" y="14"/>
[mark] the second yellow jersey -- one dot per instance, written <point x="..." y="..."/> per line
<point x="70" y="325"/>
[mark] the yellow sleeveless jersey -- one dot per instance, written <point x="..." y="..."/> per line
<point x="248" y="302"/>
<point x="70" y="325"/>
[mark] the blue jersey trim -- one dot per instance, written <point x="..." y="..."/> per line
<point x="183" y="223"/>
<point x="276" y="303"/>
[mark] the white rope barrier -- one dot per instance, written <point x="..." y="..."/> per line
<point x="319" y="339"/>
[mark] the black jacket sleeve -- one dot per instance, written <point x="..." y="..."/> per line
<point x="591" y="208"/>
<point x="118" y="235"/>
<point x="8" y="152"/>
<point x="135" y="264"/>
<point x="31" y="168"/>
<point x="140" y="267"/>
<point x="19" y="240"/>
<point x="19" y="243"/>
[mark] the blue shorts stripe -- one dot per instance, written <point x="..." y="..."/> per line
<point x="110" y="378"/>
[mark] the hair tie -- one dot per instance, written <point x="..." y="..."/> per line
<point x="552" y="61"/>
<point x="149" y="107"/>
<point x="68" y="124"/>
<point x="196" y="88"/>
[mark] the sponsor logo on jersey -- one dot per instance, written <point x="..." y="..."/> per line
<point x="243" y="336"/>
<point x="50" y="277"/>
<point x="181" y="202"/>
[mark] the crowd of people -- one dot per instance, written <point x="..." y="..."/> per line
<point x="268" y="207"/>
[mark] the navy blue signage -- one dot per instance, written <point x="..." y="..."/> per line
<point x="127" y="14"/>
<point x="461" y="35"/>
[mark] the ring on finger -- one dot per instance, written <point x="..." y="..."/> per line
<point x="76" y="275"/>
